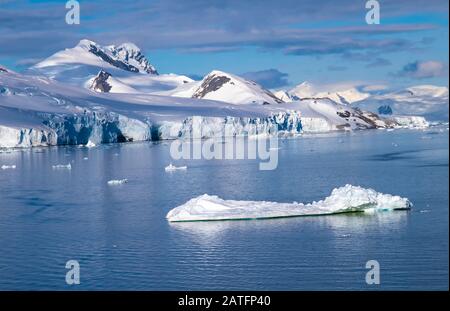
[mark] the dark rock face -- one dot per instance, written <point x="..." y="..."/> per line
<point x="100" y="83"/>
<point x="116" y="63"/>
<point x="214" y="82"/>
<point x="276" y="99"/>
<point x="211" y="84"/>
<point x="344" y="114"/>
<point x="3" y="69"/>
<point x="370" y="119"/>
<point x="121" y="56"/>
<point x="128" y="54"/>
<point x="386" y="110"/>
<point x="366" y="116"/>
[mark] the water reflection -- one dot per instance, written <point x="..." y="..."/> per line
<point x="343" y="225"/>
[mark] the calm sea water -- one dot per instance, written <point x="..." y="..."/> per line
<point x="122" y="240"/>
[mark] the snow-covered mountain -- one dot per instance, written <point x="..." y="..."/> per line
<point x="302" y="90"/>
<point x="226" y="87"/>
<point x="126" y="57"/>
<point x="38" y="111"/>
<point x="125" y="62"/>
<point x="430" y="91"/>
<point x="307" y="90"/>
<point x="429" y="101"/>
<point x="285" y="96"/>
<point x="130" y="54"/>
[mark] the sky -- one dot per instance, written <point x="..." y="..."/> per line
<point x="278" y="43"/>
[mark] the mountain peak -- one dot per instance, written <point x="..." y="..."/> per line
<point x="131" y="53"/>
<point x="218" y="73"/>
<point x="223" y="86"/>
<point x="86" y="43"/>
<point x="429" y="90"/>
<point x="129" y="46"/>
<point x="126" y="56"/>
<point x="341" y="94"/>
<point x="303" y="90"/>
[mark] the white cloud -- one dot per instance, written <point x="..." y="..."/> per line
<point x="425" y="69"/>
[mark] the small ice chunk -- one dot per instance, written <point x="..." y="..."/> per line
<point x="85" y="158"/>
<point x="90" y="144"/>
<point x="62" y="167"/>
<point x="8" y="167"/>
<point x="342" y="200"/>
<point x="172" y="168"/>
<point x="115" y="182"/>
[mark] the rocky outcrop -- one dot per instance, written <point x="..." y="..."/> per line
<point x="100" y="82"/>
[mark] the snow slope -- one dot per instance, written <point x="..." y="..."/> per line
<point x="341" y="95"/>
<point x="126" y="57"/>
<point x="222" y="86"/>
<point x="342" y="200"/>
<point x="285" y="96"/>
<point x="126" y="63"/>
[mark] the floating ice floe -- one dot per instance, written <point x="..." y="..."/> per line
<point x="62" y="167"/>
<point x="342" y="200"/>
<point x="117" y="182"/>
<point x="90" y="144"/>
<point x="171" y="168"/>
<point x="8" y="167"/>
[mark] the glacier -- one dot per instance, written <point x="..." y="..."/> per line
<point x="38" y="111"/>
<point x="345" y="199"/>
<point x="13" y="137"/>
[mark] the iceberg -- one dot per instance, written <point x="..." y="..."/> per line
<point x="8" y="167"/>
<point x="62" y="166"/>
<point x="117" y="182"/>
<point x="345" y="199"/>
<point x="90" y="144"/>
<point x="172" y="168"/>
<point x="414" y="122"/>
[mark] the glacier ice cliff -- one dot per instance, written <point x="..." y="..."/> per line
<point x="37" y="111"/>
<point x="97" y="128"/>
<point x="11" y="137"/>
